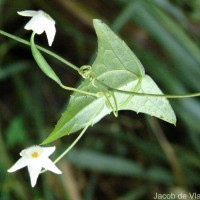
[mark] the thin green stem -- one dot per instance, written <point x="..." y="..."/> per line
<point x="77" y="139"/>
<point x="170" y="96"/>
<point x="46" y="68"/>
<point x="79" y="91"/>
<point x="115" y="110"/>
<point x="70" y="147"/>
<point x="40" y="48"/>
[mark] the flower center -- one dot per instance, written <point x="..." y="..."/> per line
<point x="35" y="155"/>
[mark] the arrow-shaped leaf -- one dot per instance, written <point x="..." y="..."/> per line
<point x="118" y="67"/>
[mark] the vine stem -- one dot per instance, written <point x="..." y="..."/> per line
<point x="79" y="91"/>
<point x="46" y="68"/>
<point x="76" y="140"/>
<point x="70" y="147"/>
<point x="171" y="96"/>
<point x="40" y="48"/>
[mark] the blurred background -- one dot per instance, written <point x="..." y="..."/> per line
<point x="131" y="157"/>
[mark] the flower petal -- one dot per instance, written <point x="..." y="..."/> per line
<point x="50" y="31"/>
<point x="47" y="151"/>
<point x="22" y="162"/>
<point x="34" y="170"/>
<point x="49" y="165"/>
<point x="27" y="13"/>
<point x="37" y="23"/>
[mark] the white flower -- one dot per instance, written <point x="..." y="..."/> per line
<point x="35" y="158"/>
<point x="39" y="23"/>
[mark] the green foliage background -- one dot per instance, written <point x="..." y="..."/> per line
<point x="125" y="158"/>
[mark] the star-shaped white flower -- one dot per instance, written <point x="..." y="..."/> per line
<point x="39" y="23"/>
<point x="35" y="158"/>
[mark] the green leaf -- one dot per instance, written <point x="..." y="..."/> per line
<point x="154" y="106"/>
<point x="42" y="63"/>
<point x="114" y="54"/>
<point x="118" y="67"/>
<point x="81" y="109"/>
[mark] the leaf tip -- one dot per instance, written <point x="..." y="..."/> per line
<point x="98" y="23"/>
<point x="172" y="120"/>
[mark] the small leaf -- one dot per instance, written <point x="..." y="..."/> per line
<point x="118" y="67"/>
<point x="42" y="63"/>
